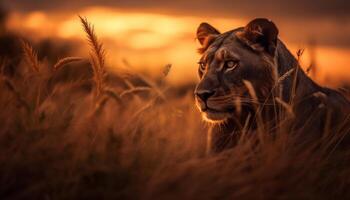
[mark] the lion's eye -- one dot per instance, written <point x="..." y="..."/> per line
<point x="231" y="65"/>
<point x="201" y="66"/>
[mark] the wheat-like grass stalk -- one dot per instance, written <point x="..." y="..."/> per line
<point x="30" y="55"/>
<point x="144" y="108"/>
<point x="100" y="105"/>
<point x="252" y="93"/>
<point x="251" y="90"/>
<point x="166" y="70"/>
<point x="108" y="93"/>
<point x="286" y="106"/>
<point x="151" y="84"/>
<point x="238" y="105"/>
<point x="130" y="85"/>
<point x="112" y="94"/>
<point x="285" y="75"/>
<point x="245" y="128"/>
<point x="97" y="55"/>
<point x="64" y="61"/>
<point x="98" y="77"/>
<point x="158" y="90"/>
<point x="300" y="52"/>
<point x="135" y="90"/>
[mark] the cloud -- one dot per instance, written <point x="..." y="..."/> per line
<point x="326" y="21"/>
<point x="232" y="8"/>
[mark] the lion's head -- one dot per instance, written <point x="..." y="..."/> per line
<point x="230" y="63"/>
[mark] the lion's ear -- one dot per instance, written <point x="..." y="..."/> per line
<point x="260" y="34"/>
<point x="206" y="31"/>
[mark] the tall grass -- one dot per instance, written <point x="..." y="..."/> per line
<point x="97" y="55"/>
<point x="30" y="55"/>
<point x="64" y="61"/>
<point x="150" y="143"/>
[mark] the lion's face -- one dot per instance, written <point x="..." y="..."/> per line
<point x="231" y="62"/>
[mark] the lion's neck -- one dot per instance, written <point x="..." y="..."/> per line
<point x="287" y="63"/>
<point x="227" y="134"/>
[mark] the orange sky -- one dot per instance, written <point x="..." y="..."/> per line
<point x="149" y="40"/>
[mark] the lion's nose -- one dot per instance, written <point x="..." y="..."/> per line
<point x="204" y="94"/>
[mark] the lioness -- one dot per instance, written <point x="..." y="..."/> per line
<point x="246" y="73"/>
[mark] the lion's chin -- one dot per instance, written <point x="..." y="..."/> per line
<point x="215" y="116"/>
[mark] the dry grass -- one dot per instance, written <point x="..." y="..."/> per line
<point x="97" y="55"/>
<point x="285" y="75"/>
<point x="131" y="145"/>
<point x="64" y="61"/>
<point x="30" y="55"/>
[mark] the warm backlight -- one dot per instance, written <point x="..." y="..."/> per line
<point x="150" y="41"/>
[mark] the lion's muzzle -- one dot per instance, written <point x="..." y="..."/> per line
<point x="202" y="97"/>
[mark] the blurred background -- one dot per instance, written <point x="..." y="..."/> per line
<point x="152" y="33"/>
<point x="72" y="133"/>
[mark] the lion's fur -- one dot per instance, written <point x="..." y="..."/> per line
<point x="311" y="104"/>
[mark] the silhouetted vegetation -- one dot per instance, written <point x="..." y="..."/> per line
<point x="72" y="130"/>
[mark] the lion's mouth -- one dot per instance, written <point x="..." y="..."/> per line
<point x="210" y="114"/>
<point x="213" y="115"/>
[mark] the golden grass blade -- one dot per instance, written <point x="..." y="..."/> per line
<point x="97" y="55"/>
<point x="96" y="46"/>
<point x="135" y="90"/>
<point x="166" y="69"/>
<point x="285" y="105"/>
<point x="300" y="52"/>
<point x="238" y="105"/>
<point x="98" y="79"/>
<point x="285" y="75"/>
<point x="251" y="90"/>
<point x="144" y="108"/>
<point x="101" y="103"/>
<point x="64" y="61"/>
<point x="130" y="85"/>
<point x="30" y="55"/>
<point x="245" y="129"/>
<point x="258" y="118"/>
<point x="112" y="94"/>
<point x="153" y="85"/>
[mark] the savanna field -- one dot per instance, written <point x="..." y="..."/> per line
<point x="71" y="128"/>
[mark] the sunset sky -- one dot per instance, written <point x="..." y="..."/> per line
<point x="150" y="34"/>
